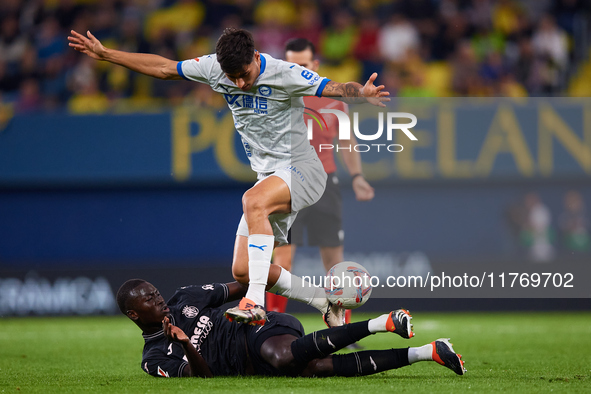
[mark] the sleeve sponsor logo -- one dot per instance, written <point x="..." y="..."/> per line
<point x="314" y="80"/>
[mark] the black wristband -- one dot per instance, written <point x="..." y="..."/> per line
<point x="355" y="176"/>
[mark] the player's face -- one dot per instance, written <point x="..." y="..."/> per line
<point x="148" y="304"/>
<point x="304" y="58"/>
<point x="246" y="78"/>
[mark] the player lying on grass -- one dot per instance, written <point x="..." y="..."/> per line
<point x="189" y="336"/>
<point x="265" y="97"/>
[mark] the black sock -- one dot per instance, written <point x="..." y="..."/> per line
<point x="320" y="344"/>
<point x="369" y="362"/>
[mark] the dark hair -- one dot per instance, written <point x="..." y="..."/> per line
<point x="234" y="50"/>
<point x="124" y="293"/>
<point x="299" y="45"/>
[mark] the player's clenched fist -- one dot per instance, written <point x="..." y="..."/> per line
<point x="88" y="45"/>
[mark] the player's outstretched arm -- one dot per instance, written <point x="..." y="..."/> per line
<point x="197" y="365"/>
<point x="145" y="63"/>
<point x="357" y="93"/>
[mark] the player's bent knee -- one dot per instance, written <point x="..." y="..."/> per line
<point x="281" y="361"/>
<point x="240" y="274"/>
<point x="277" y="352"/>
<point x="253" y="202"/>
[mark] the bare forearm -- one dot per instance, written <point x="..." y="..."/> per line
<point x="350" y="92"/>
<point x="197" y="365"/>
<point x="153" y="65"/>
<point x="236" y="291"/>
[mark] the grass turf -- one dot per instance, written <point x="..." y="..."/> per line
<point x="513" y="352"/>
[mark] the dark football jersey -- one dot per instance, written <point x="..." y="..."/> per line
<point x="220" y="342"/>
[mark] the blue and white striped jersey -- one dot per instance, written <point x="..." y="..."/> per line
<point x="270" y="117"/>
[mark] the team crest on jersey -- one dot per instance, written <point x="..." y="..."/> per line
<point x="190" y="311"/>
<point x="265" y="90"/>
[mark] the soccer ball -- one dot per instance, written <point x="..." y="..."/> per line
<point x="348" y="285"/>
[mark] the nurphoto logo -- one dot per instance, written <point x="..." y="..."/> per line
<point x="345" y="129"/>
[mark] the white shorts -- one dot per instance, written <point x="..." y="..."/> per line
<point x="306" y="181"/>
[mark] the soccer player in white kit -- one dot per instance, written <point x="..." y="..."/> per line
<point x="265" y="97"/>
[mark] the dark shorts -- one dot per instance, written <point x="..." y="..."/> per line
<point x="277" y="324"/>
<point x="321" y="221"/>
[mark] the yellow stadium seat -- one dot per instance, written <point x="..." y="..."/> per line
<point x="580" y="84"/>
<point x="438" y="77"/>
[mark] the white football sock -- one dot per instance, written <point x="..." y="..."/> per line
<point x="378" y="324"/>
<point x="423" y="353"/>
<point x="295" y="288"/>
<point x="260" y="250"/>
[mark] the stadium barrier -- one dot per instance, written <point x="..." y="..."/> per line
<point x="475" y="139"/>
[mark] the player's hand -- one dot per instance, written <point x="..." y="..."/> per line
<point x="374" y="94"/>
<point x="363" y="190"/>
<point x="88" y="45"/>
<point x="172" y="332"/>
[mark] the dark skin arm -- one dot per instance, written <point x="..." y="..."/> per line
<point x="353" y="92"/>
<point x="197" y="365"/>
<point x="236" y="291"/>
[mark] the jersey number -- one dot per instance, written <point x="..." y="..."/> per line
<point x="307" y="74"/>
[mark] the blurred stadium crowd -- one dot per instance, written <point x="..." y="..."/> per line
<point x="424" y="48"/>
<point x="539" y="234"/>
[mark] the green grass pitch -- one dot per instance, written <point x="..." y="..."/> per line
<point x="512" y="352"/>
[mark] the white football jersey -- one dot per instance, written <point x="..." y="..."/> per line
<point x="269" y="117"/>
